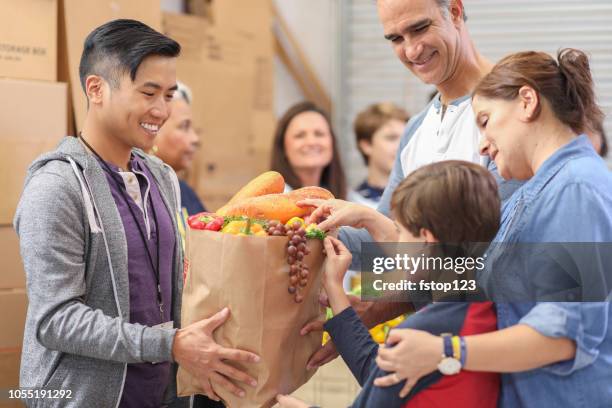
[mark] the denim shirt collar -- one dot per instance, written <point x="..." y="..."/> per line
<point x="578" y="146"/>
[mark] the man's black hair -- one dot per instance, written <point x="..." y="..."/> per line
<point x="120" y="46"/>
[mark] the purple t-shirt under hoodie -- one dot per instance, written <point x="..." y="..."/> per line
<point x="145" y="383"/>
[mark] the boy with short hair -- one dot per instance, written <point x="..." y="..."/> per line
<point x="378" y="129"/>
<point x="451" y="202"/>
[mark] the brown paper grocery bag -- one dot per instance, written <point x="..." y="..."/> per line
<point x="250" y="275"/>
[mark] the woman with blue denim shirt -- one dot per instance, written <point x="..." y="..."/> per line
<point x="532" y="111"/>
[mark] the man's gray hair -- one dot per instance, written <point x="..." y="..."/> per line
<point x="183" y="92"/>
<point x="445" y="5"/>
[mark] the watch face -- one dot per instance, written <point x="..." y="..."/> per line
<point x="449" y="366"/>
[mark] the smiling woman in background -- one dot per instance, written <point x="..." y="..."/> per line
<point x="177" y="143"/>
<point x="305" y="150"/>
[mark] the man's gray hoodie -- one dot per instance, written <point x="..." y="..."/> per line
<point x="77" y="333"/>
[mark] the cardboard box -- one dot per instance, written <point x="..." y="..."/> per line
<point x="235" y="14"/>
<point x="14" y="305"/>
<point x="31" y="123"/>
<point x="201" y="8"/>
<point x="10" y="361"/>
<point x="12" y="275"/>
<point x="63" y="69"/>
<point x="253" y="19"/>
<point x="79" y="18"/>
<point x="220" y="70"/>
<point x="219" y="178"/>
<point x="28" y="39"/>
<point x="250" y="15"/>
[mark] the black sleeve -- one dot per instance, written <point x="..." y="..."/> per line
<point x="356" y="347"/>
<point x="354" y="343"/>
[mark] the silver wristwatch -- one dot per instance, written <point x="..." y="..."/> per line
<point x="449" y="365"/>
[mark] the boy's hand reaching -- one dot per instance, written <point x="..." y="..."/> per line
<point x="330" y="215"/>
<point x="337" y="263"/>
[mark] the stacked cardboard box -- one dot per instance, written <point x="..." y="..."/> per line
<point x="254" y="19"/>
<point x="31" y="124"/>
<point x="220" y="76"/>
<point x="13" y="303"/>
<point x="228" y="63"/>
<point x="32" y="121"/>
<point x="28" y="39"/>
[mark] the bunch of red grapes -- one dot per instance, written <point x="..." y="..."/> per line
<point x="296" y="251"/>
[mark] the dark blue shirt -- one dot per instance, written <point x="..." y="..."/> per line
<point x="189" y="199"/>
<point x="370" y="192"/>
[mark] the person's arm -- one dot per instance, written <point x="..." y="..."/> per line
<point x="50" y="223"/>
<point x="354" y="343"/>
<point x="333" y="214"/>
<point x="350" y="336"/>
<point x="336" y="266"/>
<point x="560" y="338"/>
<point x="416" y="353"/>
<point x="514" y="349"/>
<point x="380" y="227"/>
<point x="584" y="324"/>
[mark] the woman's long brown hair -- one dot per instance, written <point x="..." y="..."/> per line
<point x="566" y="83"/>
<point x="332" y="178"/>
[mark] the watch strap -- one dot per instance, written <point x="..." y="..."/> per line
<point x="448" y="345"/>
<point x="456" y="347"/>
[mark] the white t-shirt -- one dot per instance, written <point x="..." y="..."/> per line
<point x="454" y="136"/>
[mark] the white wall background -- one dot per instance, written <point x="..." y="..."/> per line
<point x="314" y="24"/>
<point x="173" y="6"/>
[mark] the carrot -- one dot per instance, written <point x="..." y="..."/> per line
<point x="270" y="182"/>
<point x="280" y="207"/>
